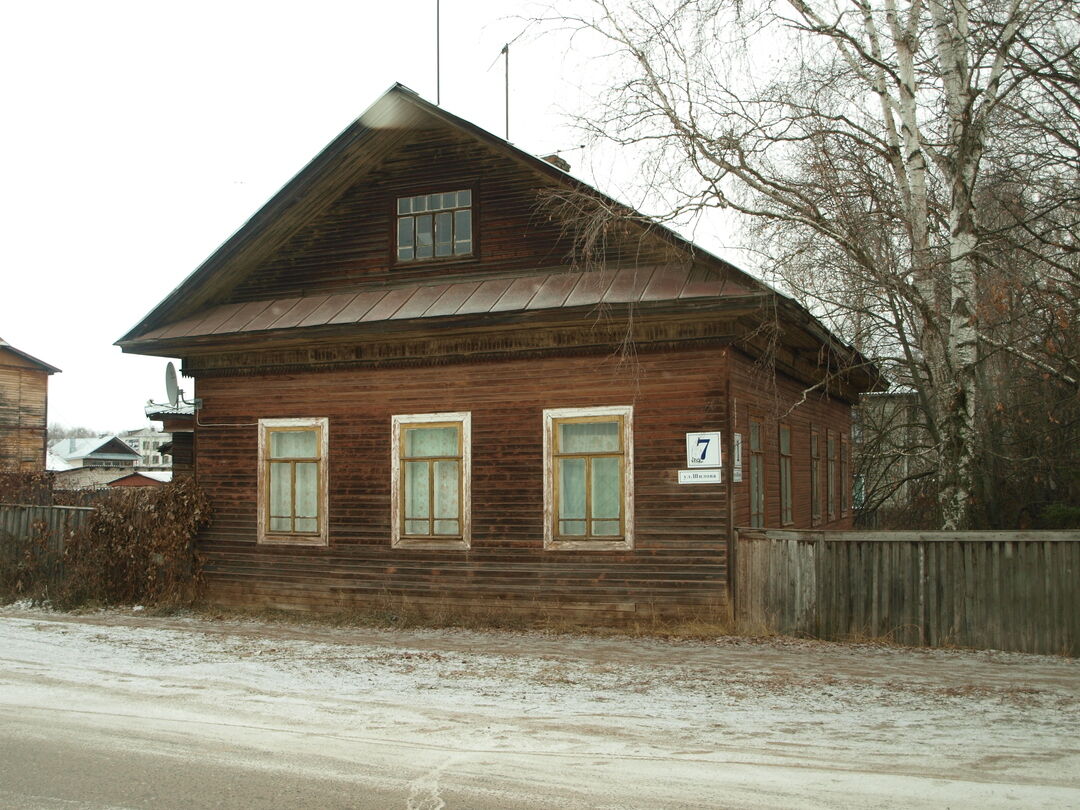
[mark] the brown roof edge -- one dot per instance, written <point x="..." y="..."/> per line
<point x="46" y="367"/>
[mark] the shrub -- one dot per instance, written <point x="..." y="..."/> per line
<point x="137" y="548"/>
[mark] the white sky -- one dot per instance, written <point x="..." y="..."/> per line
<point x="138" y="136"/>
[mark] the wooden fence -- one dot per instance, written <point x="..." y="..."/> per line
<point x="37" y="533"/>
<point x="992" y="590"/>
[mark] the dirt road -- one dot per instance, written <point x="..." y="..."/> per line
<point x="116" y="710"/>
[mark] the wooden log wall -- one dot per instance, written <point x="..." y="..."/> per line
<point x="760" y="393"/>
<point x="23" y="397"/>
<point x="989" y="590"/>
<point x="353" y="241"/>
<point x="681" y="532"/>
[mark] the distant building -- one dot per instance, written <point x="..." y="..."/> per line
<point x="24" y="395"/>
<point x="103" y="451"/>
<point x="142" y="478"/>
<point x="152" y="445"/>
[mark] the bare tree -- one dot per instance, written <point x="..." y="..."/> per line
<point x="869" y="143"/>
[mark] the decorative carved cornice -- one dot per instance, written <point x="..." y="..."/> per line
<point x="603" y="336"/>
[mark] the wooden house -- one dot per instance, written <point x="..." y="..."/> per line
<point x="410" y="390"/>
<point x="24" y="398"/>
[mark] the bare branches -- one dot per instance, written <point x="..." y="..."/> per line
<point x="909" y="169"/>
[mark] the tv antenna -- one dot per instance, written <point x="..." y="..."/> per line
<point x="173" y="391"/>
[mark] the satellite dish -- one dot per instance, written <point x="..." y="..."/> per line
<point x="172" y="390"/>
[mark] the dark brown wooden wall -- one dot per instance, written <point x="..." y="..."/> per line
<point x="757" y="390"/>
<point x="23" y="400"/>
<point x="679" y="558"/>
<point x="351" y="243"/>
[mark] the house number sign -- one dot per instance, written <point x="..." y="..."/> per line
<point x="703" y="450"/>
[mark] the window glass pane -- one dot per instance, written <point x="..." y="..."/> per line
<point x="405" y="253"/>
<point x="572" y="488"/>
<point x="434" y="202"/>
<point x="572" y="527"/>
<point x="589" y="437"/>
<point x="444" y="237"/>
<point x="416" y="527"/>
<point x="281" y="490"/>
<point x="424" y="237"/>
<point x="785" y="440"/>
<point x="606" y="488"/>
<point x="446" y="489"/>
<point x="605" y="528"/>
<point x="405" y="232"/>
<point x="294" y="444"/>
<point x="449" y="199"/>
<point x="404" y="205"/>
<point x="755" y="436"/>
<point x="463" y="232"/>
<point x="464" y="197"/>
<point x="426" y="442"/>
<point x="419" y="204"/>
<point x="447" y="527"/>
<point x="416" y="490"/>
<point x="280" y="524"/>
<point x="307" y="525"/>
<point x="307" y="490"/>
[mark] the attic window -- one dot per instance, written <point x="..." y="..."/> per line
<point x="434" y="226"/>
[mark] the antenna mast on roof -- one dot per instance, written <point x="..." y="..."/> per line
<point x="506" y="52"/>
<point x="438" y="62"/>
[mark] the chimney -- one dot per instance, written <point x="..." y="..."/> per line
<point x="557" y="161"/>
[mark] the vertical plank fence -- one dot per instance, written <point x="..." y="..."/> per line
<point x="1015" y="591"/>
<point x="38" y="533"/>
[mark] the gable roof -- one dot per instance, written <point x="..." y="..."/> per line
<point x="198" y="313"/>
<point x="101" y="447"/>
<point x="41" y="364"/>
<point x="383" y="127"/>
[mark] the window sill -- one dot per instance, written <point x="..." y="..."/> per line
<point x="292" y="540"/>
<point x="431" y="543"/>
<point x="589" y="545"/>
<point x="406" y="263"/>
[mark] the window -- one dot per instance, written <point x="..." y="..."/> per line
<point x="757" y="474"/>
<point x="830" y="479"/>
<point x="815" y="480"/>
<point x="588" y="477"/>
<point x="785" y="475"/>
<point x="430" y="488"/>
<point x="844" y="451"/>
<point x="434" y="226"/>
<point x="292" y="481"/>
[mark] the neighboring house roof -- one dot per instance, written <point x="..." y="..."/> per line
<point x="48" y="369"/>
<point x="110" y="448"/>
<point x="54" y="463"/>
<point x="142" y="478"/>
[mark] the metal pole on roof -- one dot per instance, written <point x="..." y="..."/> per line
<point x="438" y="62"/>
<point x="506" y="53"/>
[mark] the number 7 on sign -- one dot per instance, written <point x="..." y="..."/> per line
<point x="702" y="442"/>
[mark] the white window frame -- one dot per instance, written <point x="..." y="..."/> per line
<point x="551" y="415"/>
<point x="397" y="539"/>
<point x="266" y="426"/>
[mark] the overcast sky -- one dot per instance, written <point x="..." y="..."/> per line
<point x="138" y="136"/>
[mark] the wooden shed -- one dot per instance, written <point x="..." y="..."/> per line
<point x="24" y="399"/>
<point x="410" y="390"/>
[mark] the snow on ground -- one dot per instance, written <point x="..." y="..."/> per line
<point x="564" y="721"/>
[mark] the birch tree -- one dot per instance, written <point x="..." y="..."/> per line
<point x="864" y="142"/>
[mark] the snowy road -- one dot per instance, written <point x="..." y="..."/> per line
<point x="120" y="711"/>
